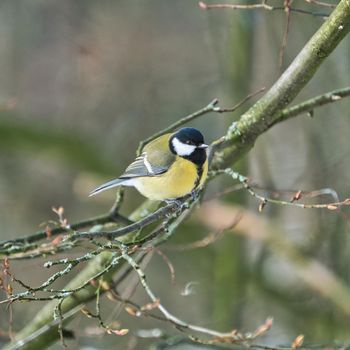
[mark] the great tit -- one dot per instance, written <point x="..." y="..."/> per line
<point x="170" y="167"/>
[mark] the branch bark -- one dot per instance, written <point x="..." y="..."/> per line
<point x="241" y="135"/>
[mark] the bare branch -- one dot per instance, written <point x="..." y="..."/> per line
<point x="264" y="200"/>
<point x="287" y="10"/>
<point x="234" y="336"/>
<point x="259" y="6"/>
<point x="25" y="243"/>
<point x="309" y="105"/>
<point x="161" y="213"/>
<point x="321" y="3"/>
<point x="211" y="107"/>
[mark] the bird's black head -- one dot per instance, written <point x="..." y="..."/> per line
<point x="189" y="143"/>
<point x="190" y="136"/>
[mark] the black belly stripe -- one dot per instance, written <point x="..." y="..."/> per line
<point x="198" y="158"/>
<point x="199" y="176"/>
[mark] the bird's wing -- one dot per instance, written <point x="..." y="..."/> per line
<point x="142" y="167"/>
<point x="155" y="159"/>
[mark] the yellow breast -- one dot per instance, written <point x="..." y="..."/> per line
<point x="177" y="182"/>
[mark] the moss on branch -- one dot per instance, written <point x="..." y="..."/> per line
<point x="241" y="135"/>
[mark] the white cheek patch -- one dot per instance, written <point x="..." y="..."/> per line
<point x="182" y="149"/>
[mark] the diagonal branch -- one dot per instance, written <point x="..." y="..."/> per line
<point x="241" y="136"/>
<point x="148" y="220"/>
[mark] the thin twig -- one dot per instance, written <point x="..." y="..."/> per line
<point x="262" y="5"/>
<point x="21" y="245"/>
<point x="58" y="315"/>
<point x="240" y="103"/>
<point x="168" y="263"/>
<point x="71" y="263"/>
<point x="64" y="293"/>
<point x="118" y="201"/>
<point x="207" y="240"/>
<point x="211" y="107"/>
<point x="162" y="212"/>
<point x="264" y="200"/>
<point x="259" y="6"/>
<point x="321" y="3"/>
<point x="287" y="7"/>
<point x="309" y="105"/>
<point x="85" y="257"/>
<point x="20" y="344"/>
<point x="233" y="336"/>
<point x="24" y="243"/>
<point x="48" y="282"/>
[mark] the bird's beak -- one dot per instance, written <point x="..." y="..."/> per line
<point x="203" y="145"/>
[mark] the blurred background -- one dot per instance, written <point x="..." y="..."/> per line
<point x="82" y="82"/>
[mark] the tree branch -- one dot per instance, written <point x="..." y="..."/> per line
<point x="259" y="6"/>
<point x="229" y="337"/>
<point x="309" y="105"/>
<point x="148" y="220"/>
<point x="241" y="135"/>
<point x="25" y="243"/>
<point x="211" y="107"/>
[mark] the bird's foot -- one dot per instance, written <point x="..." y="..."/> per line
<point x="178" y="205"/>
<point x="195" y="194"/>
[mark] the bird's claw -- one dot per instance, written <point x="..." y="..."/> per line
<point x="195" y="195"/>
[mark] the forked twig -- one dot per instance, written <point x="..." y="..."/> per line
<point x="211" y="107"/>
<point x="233" y="336"/>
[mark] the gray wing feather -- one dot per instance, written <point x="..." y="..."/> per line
<point x="142" y="167"/>
<point x="107" y="186"/>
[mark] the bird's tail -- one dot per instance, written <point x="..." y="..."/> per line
<point x="107" y="186"/>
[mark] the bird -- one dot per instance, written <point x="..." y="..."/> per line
<point x="169" y="168"/>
